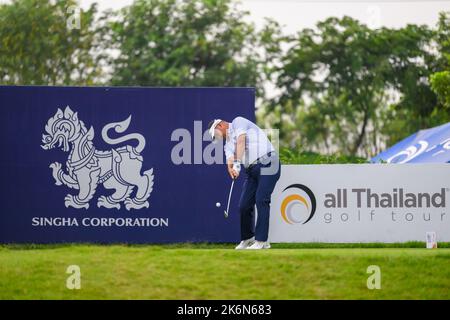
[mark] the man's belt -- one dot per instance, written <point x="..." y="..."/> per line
<point x="261" y="159"/>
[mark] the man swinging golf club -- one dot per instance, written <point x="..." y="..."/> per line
<point x="248" y="146"/>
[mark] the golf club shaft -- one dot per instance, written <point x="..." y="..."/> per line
<point x="229" y="196"/>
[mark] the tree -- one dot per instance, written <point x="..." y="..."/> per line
<point x="344" y="86"/>
<point x="38" y="48"/>
<point x="411" y="63"/>
<point x="440" y="81"/>
<point x="184" y="43"/>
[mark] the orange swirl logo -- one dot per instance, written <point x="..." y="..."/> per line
<point x="289" y="201"/>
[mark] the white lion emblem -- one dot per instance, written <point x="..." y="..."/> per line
<point x="117" y="169"/>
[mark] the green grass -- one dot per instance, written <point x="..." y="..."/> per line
<point x="203" y="271"/>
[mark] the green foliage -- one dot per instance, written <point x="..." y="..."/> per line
<point x="440" y="81"/>
<point x="287" y="156"/>
<point x="37" y="47"/>
<point x="339" y="82"/>
<point x="185" y="43"/>
<point x="413" y="65"/>
<point x="343" y="88"/>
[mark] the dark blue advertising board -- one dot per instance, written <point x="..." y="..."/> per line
<point x="116" y="165"/>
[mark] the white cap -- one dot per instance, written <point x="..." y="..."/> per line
<point x="213" y="127"/>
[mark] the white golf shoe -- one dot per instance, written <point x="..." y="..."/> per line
<point x="258" y="245"/>
<point x="245" y="244"/>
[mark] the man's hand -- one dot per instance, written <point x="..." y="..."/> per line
<point x="237" y="166"/>
<point x="234" y="168"/>
<point x="233" y="173"/>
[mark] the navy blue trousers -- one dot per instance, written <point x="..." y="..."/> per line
<point x="258" y="186"/>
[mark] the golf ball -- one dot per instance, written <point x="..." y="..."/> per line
<point x="218" y="204"/>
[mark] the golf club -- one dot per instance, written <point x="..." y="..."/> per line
<point x="229" y="198"/>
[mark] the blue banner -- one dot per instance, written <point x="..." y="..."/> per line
<point x="114" y="165"/>
<point x="425" y="146"/>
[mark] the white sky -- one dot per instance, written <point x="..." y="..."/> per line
<point x="298" y="14"/>
<point x="295" y="15"/>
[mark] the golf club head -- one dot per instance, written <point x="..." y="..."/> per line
<point x="225" y="214"/>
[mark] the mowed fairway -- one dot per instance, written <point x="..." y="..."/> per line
<point x="218" y="272"/>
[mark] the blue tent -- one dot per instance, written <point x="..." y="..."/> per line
<point x="426" y="146"/>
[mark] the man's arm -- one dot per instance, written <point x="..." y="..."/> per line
<point x="240" y="147"/>
<point x="233" y="173"/>
<point x="234" y="163"/>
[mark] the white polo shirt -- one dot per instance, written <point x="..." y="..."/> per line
<point x="256" y="142"/>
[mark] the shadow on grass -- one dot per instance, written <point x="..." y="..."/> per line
<point x="205" y="245"/>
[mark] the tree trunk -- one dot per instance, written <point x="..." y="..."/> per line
<point x="361" y="134"/>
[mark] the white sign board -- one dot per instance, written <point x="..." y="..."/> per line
<point x="361" y="203"/>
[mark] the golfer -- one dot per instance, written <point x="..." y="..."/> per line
<point x="247" y="146"/>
